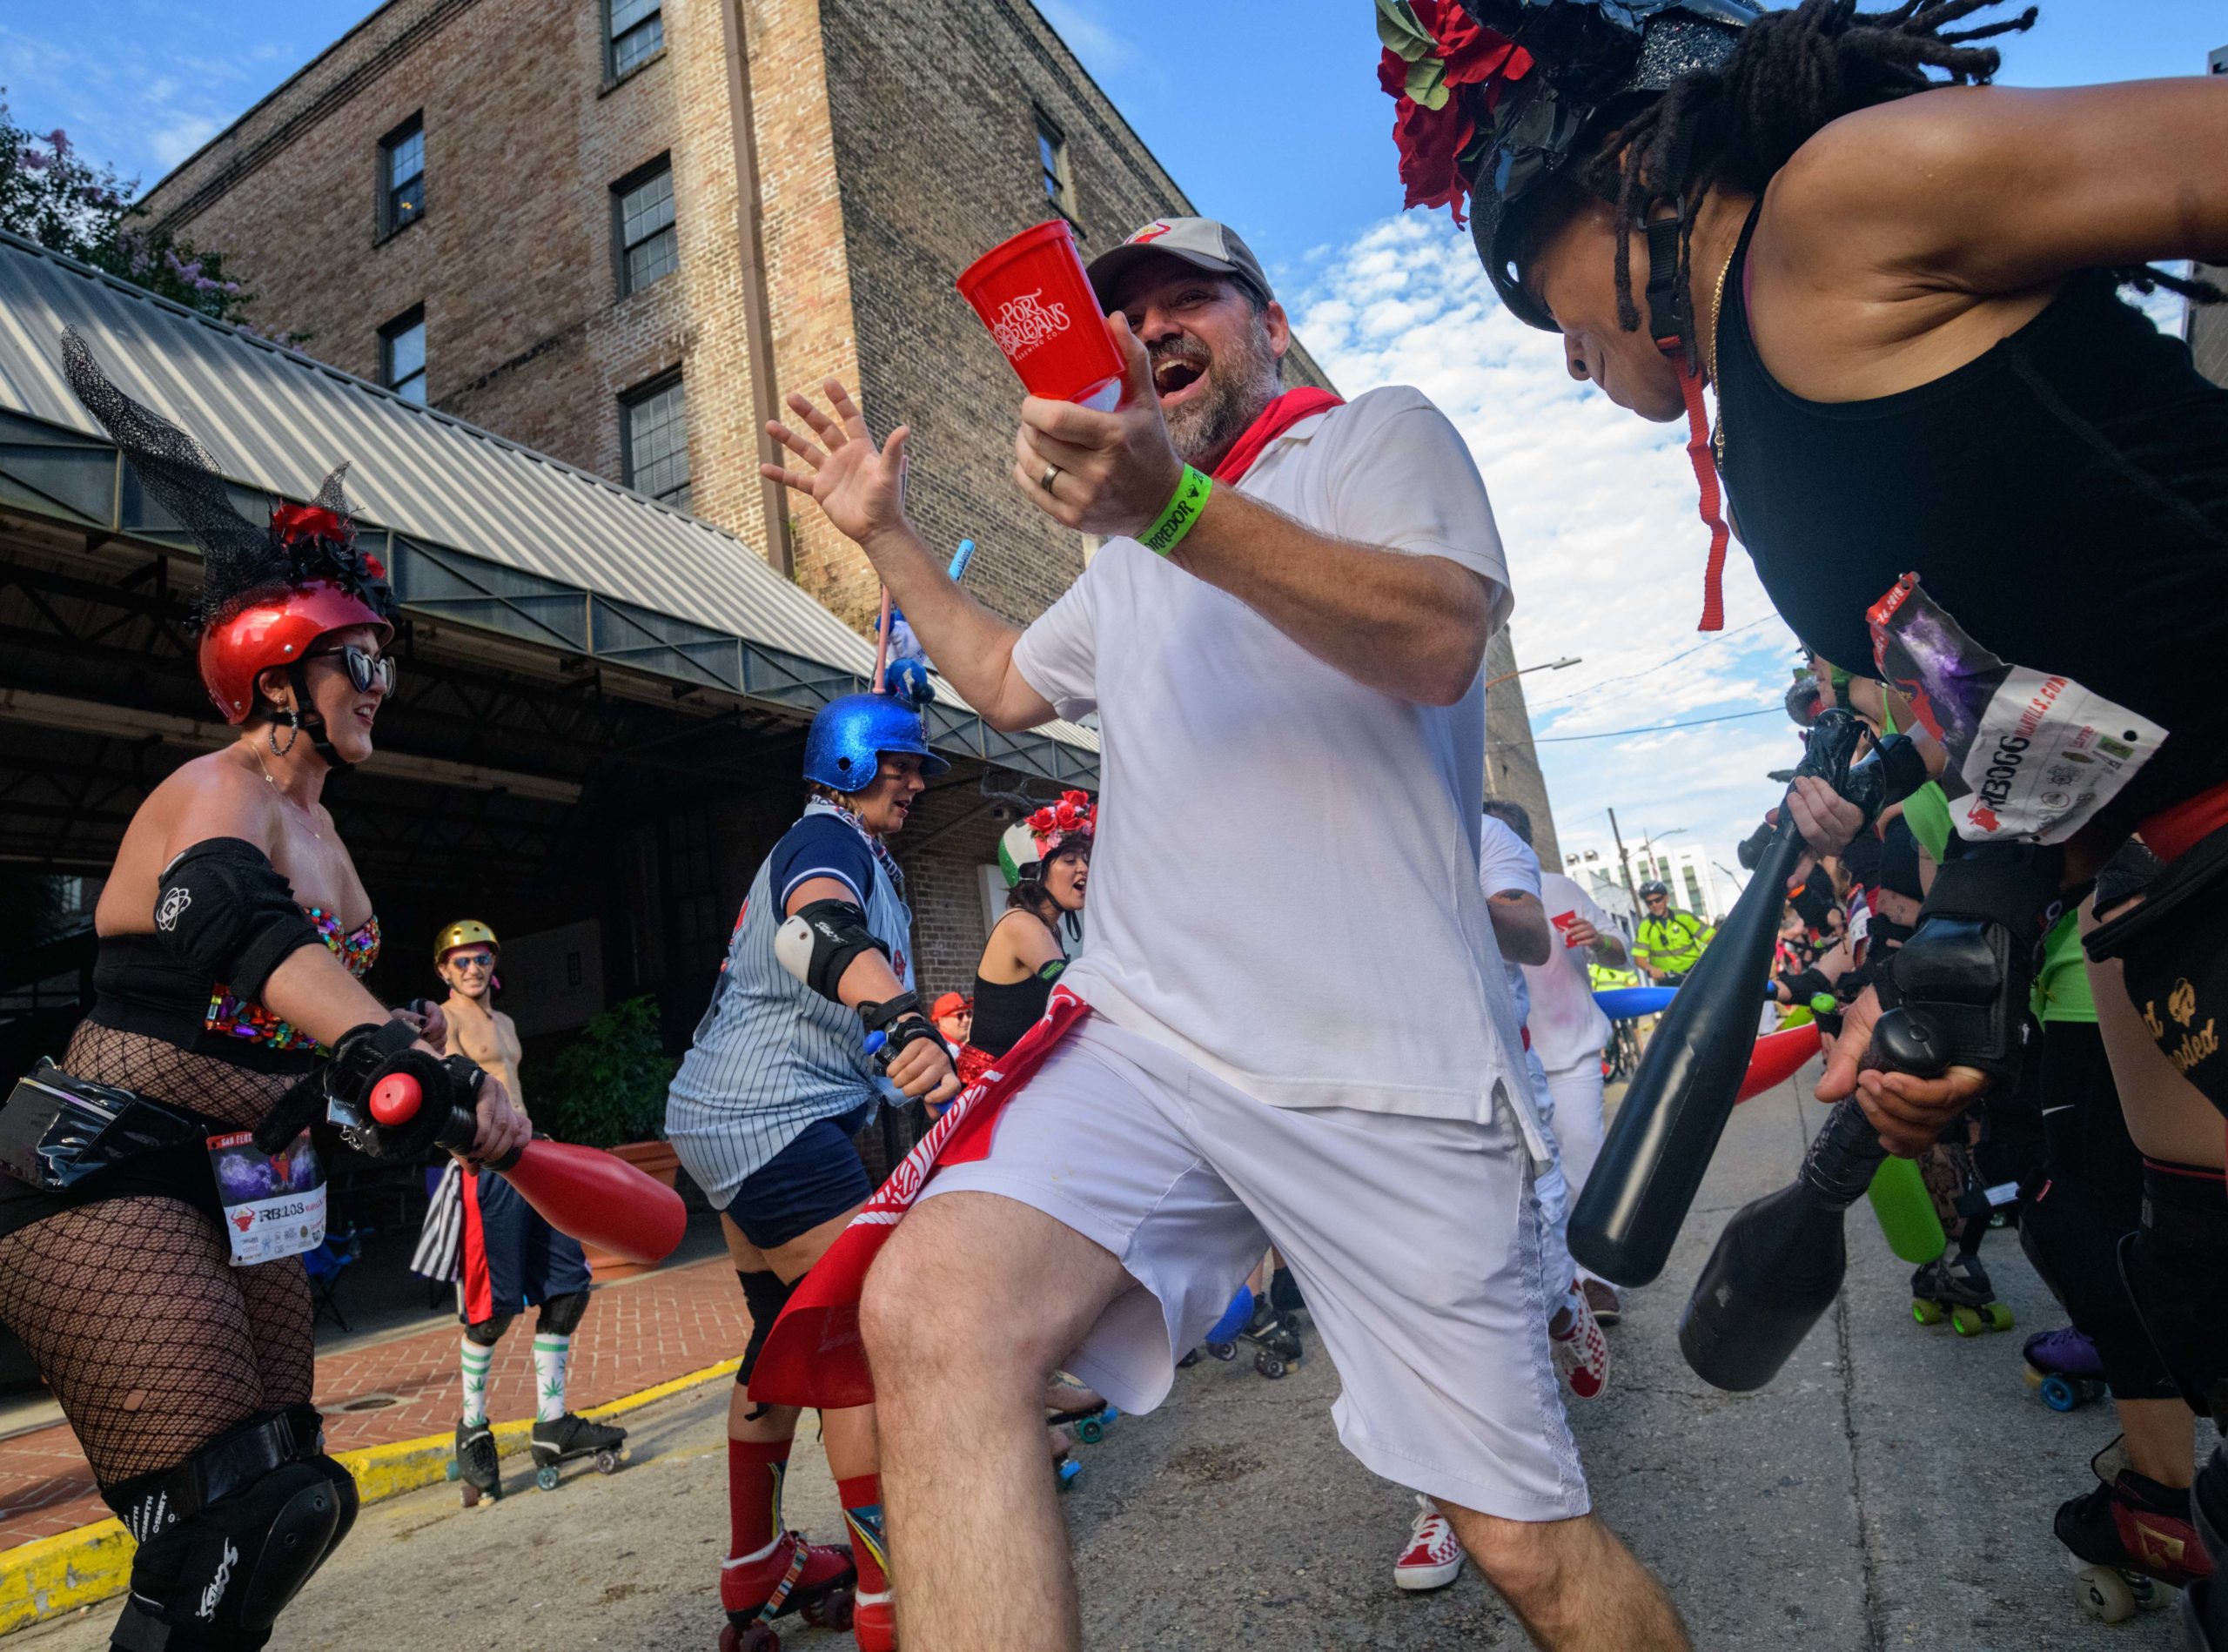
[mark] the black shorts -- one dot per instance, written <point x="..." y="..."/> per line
<point x="816" y="1178"/>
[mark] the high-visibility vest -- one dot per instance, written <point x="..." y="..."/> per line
<point x="1673" y="942"/>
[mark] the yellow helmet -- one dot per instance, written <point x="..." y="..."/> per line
<point x="464" y="932"/>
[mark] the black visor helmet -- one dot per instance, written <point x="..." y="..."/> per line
<point x="1594" y="63"/>
<point x="1653" y="887"/>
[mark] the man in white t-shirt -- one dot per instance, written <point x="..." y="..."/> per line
<point x="1569" y="1029"/>
<point x="1304" y="1043"/>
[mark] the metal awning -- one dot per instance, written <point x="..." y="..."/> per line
<point x="474" y="529"/>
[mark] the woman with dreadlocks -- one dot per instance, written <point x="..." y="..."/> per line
<point x="1948" y="445"/>
<point x="152" y="1268"/>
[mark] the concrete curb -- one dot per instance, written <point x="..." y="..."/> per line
<point x="50" y="1576"/>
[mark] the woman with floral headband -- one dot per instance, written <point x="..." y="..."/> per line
<point x="153" y="1268"/>
<point x="1046" y="860"/>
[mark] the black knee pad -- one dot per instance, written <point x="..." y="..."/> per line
<point x="308" y="1425"/>
<point x="487" y="1333"/>
<point x="227" y="1539"/>
<point x="560" y="1314"/>
<point x="2176" y="1269"/>
<point x="765" y="1295"/>
<point x="2075" y="1246"/>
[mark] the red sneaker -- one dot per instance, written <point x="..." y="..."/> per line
<point x="1433" y="1557"/>
<point x="1582" y="1352"/>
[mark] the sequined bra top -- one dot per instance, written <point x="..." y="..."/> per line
<point x="140" y="987"/>
<point x="359" y="949"/>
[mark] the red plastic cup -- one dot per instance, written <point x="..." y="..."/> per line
<point x="1562" y="921"/>
<point x="1033" y="295"/>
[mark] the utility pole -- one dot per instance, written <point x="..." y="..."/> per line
<point x="1625" y="867"/>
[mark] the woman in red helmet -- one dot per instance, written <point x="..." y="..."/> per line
<point x="153" y="1269"/>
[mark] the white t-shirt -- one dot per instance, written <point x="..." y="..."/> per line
<point x="1568" y="1027"/>
<point x="1284" y="886"/>
<point x="1507" y="866"/>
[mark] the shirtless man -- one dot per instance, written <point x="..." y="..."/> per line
<point x="512" y="1257"/>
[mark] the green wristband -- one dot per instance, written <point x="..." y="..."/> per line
<point x="1183" y="510"/>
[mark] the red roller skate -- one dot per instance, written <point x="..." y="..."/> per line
<point x="812" y="1580"/>
<point x="2132" y="1542"/>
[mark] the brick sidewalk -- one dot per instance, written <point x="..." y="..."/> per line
<point x="637" y="1333"/>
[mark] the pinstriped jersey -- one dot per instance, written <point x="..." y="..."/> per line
<point x="771" y="1054"/>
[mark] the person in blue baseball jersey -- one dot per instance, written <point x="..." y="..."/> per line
<point x="776" y="1082"/>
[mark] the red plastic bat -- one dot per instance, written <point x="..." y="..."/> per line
<point x="1779" y="1056"/>
<point x="597" y="1198"/>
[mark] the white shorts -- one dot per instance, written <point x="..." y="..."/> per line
<point x="1416" y="1240"/>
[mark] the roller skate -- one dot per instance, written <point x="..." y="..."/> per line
<point x="1957" y="1288"/>
<point x="1070" y="1404"/>
<point x="2063" y="1366"/>
<point x="477" y="1464"/>
<point x="812" y="1580"/>
<point x="2132" y="1542"/>
<point x="564" y="1439"/>
<point x="1433" y="1557"/>
<point x="1283" y="1293"/>
<point x="1275" y="1337"/>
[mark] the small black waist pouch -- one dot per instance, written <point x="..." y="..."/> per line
<point x="58" y="1132"/>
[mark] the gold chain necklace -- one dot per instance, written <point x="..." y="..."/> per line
<point x="281" y="791"/>
<point x="1716" y="309"/>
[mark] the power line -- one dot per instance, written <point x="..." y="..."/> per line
<point x="1649" y="671"/>
<point x="1654" y="729"/>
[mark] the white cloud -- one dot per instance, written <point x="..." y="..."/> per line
<point x="171" y="144"/>
<point x="1088" y="36"/>
<point x="1597" y="512"/>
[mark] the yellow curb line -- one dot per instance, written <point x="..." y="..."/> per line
<point x="49" y="1576"/>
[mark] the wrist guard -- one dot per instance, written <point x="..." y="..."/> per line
<point x="1971" y="963"/>
<point x="1890" y="772"/>
<point x="902" y="1022"/>
<point x="818" y="942"/>
<point x="449" y="1089"/>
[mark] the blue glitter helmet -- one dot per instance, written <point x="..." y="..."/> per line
<point x="850" y="736"/>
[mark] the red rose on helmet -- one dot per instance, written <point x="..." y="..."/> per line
<point x="292" y="523"/>
<point x="1431" y="141"/>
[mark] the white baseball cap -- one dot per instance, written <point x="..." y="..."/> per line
<point x="1201" y="242"/>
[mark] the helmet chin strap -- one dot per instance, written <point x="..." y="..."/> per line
<point x="312" y="722"/>
<point x="1663" y="325"/>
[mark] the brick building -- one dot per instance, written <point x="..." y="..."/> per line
<point x="618" y="248"/>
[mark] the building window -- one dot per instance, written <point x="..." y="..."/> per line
<point x="402" y="174"/>
<point x="1052" y="162"/>
<point x="655" y="425"/>
<point x="647" y="247"/>
<point x="635" y="31"/>
<point x="402" y="355"/>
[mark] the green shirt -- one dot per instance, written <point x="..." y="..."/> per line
<point x="2062" y="984"/>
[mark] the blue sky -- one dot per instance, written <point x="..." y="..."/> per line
<point x="1271" y="118"/>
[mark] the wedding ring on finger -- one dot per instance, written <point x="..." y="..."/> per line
<point x="1046" y="480"/>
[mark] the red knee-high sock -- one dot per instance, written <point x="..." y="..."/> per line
<point x="861" y="1499"/>
<point x="755" y="1472"/>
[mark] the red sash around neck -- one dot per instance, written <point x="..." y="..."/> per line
<point x="1277" y="418"/>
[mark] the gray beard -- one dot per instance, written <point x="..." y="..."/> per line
<point x="1205" y="428"/>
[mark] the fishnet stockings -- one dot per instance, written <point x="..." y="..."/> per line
<point x="152" y="1342"/>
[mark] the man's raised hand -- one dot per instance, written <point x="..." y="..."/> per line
<point x="1101" y="473"/>
<point x="860" y="487"/>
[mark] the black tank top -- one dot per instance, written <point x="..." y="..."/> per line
<point x="1003" y="1011"/>
<point x="2063" y="496"/>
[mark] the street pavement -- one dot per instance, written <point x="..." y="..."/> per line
<point x="1893" y="1489"/>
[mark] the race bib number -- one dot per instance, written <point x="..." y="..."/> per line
<point x="274" y="1203"/>
<point x="2031" y="755"/>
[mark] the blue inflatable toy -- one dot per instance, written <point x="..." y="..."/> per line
<point x="1629" y="1004"/>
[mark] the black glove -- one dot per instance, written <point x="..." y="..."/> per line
<point x="449" y="1091"/>
<point x="1969" y="965"/>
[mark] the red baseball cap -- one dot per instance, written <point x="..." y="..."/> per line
<point x="950" y="1003"/>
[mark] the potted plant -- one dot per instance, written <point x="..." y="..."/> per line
<point x="606" y="1089"/>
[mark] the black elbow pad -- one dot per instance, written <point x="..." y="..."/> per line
<point x="222" y="910"/>
<point x="819" y="940"/>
